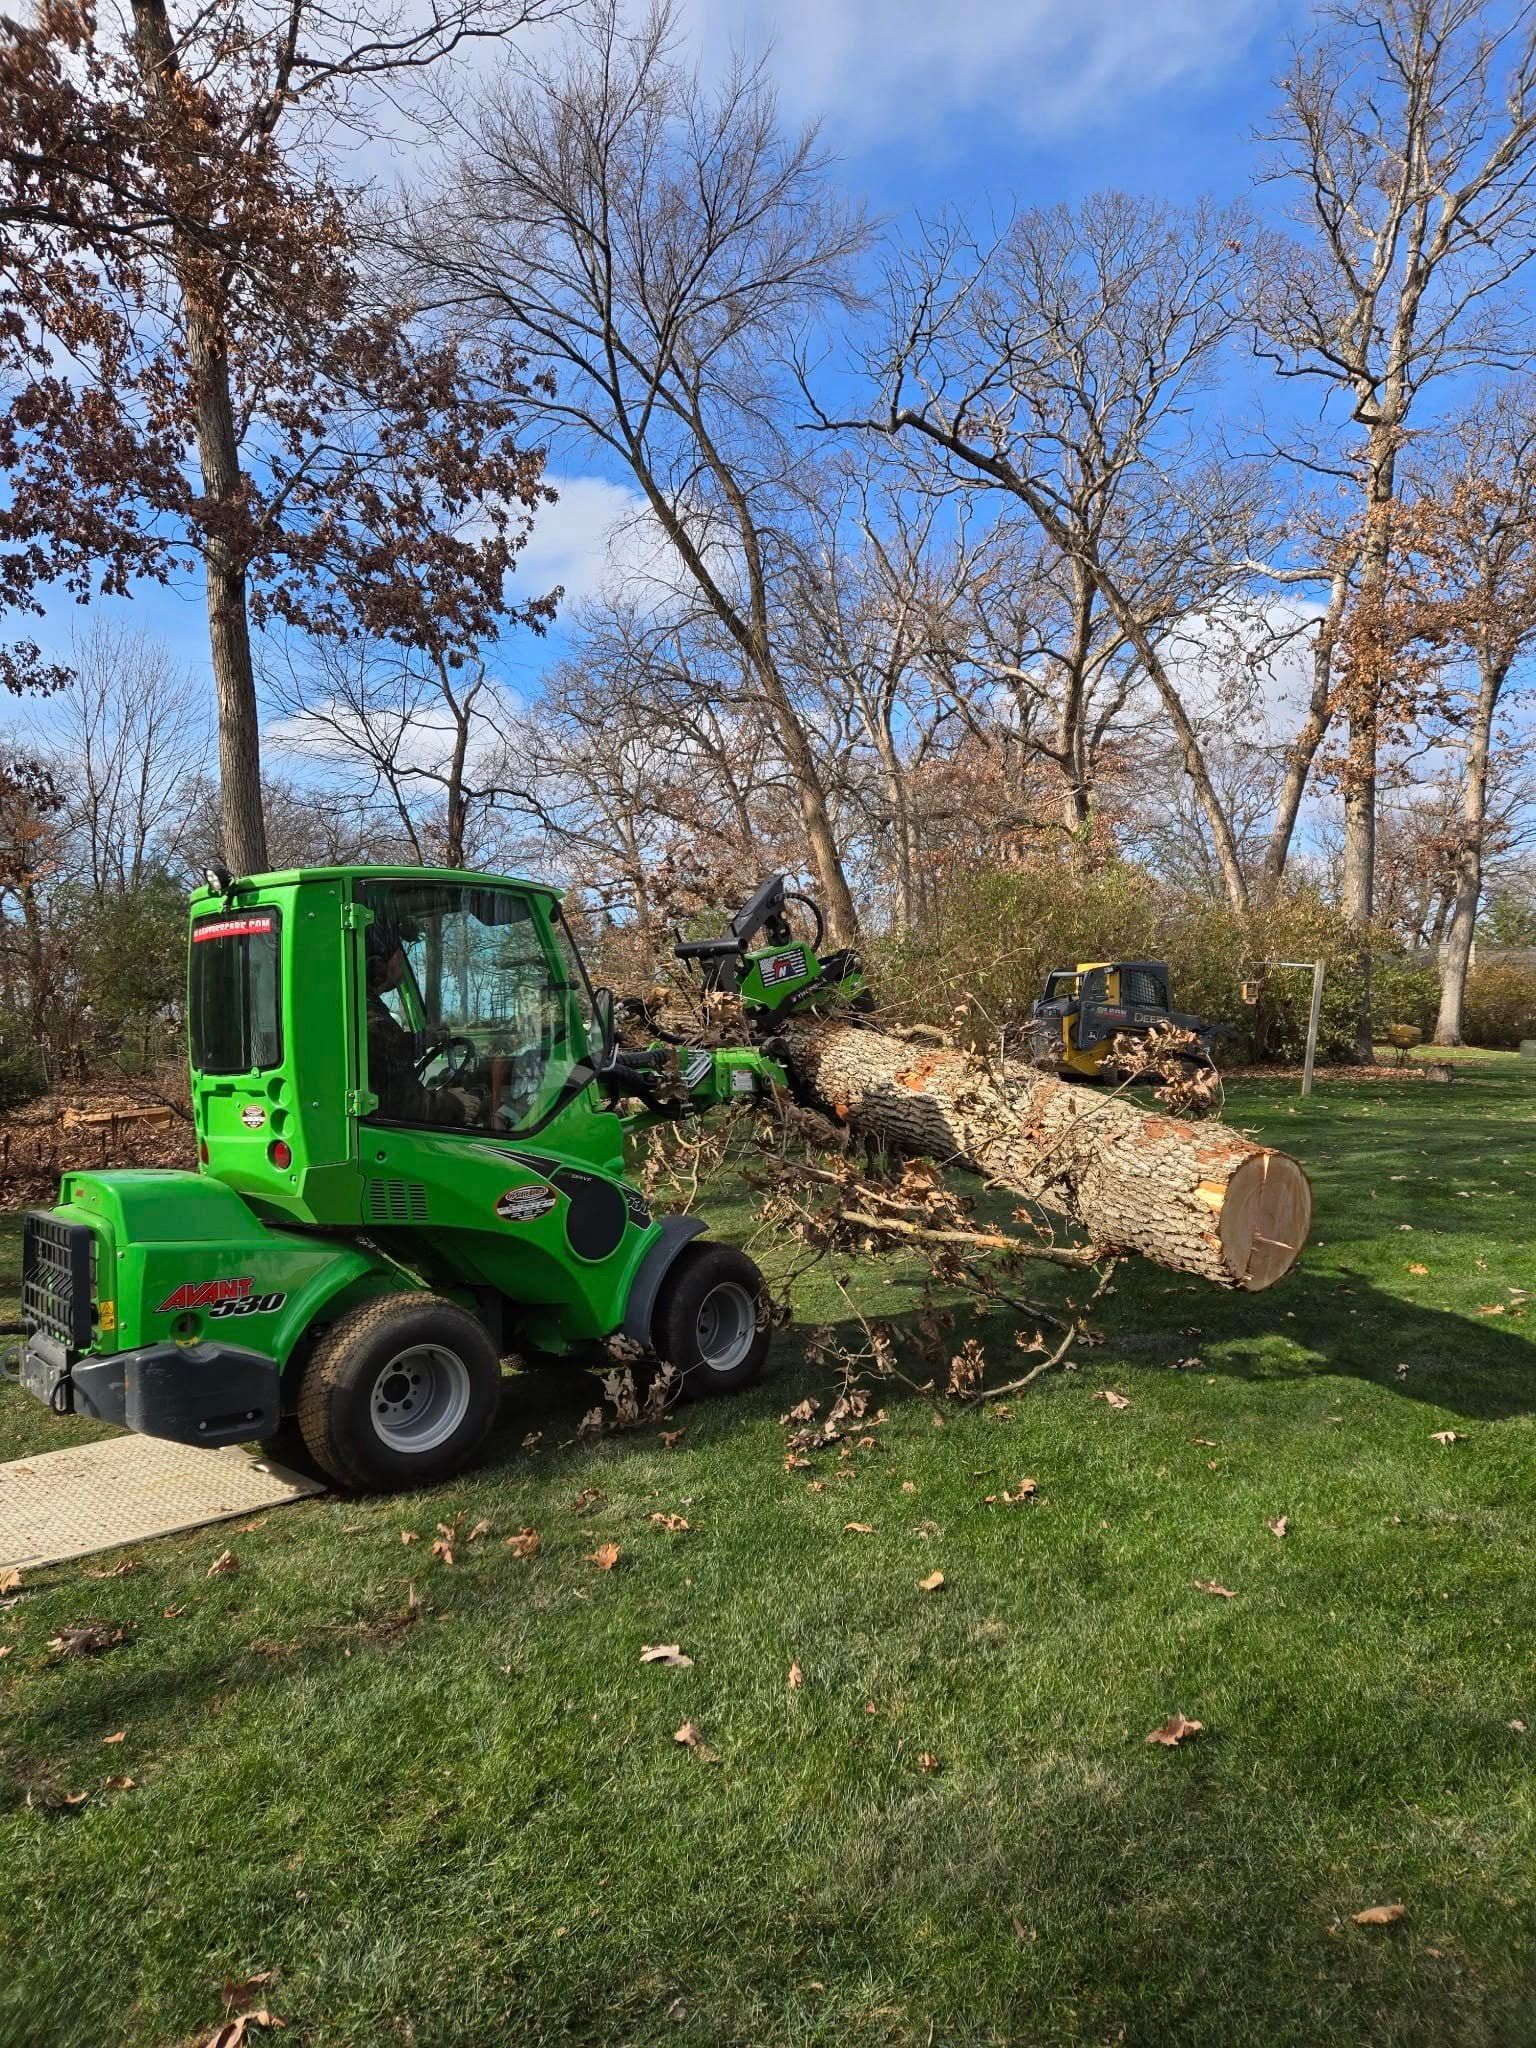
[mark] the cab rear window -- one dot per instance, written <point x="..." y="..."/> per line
<point x="234" y="1001"/>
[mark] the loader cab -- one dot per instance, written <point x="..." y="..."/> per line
<point x="325" y="1005"/>
<point x="475" y="1008"/>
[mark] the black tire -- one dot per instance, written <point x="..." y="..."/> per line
<point x="709" y="1288"/>
<point x="446" y="1396"/>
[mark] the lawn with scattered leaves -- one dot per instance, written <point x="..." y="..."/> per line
<point x="1209" y="1725"/>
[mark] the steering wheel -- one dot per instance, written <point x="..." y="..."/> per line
<point x="461" y="1054"/>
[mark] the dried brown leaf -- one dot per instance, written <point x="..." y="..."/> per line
<point x="675" y="1523"/>
<point x="87" y="1639"/>
<point x="120" y="1736"/>
<point x="859" y="1528"/>
<point x="929" y="1762"/>
<point x="1111" y="1399"/>
<point x="688" y="1737"/>
<point x="1174" y="1731"/>
<point x="121" y="1784"/>
<point x="237" y="1990"/>
<point x="233" y="2032"/>
<point x="410" y="1536"/>
<point x="1379" y="1916"/>
<point x="665" y="1653"/>
<point x="224" y="1565"/>
<point x="1214" y="1586"/>
<point x="796" y="1677"/>
<point x="605" y="1557"/>
<point x="1447" y="1437"/>
<point x="671" y="1438"/>
<point x="526" y="1543"/>
<point x="9" y="1581"/>
<point x="932" y="1583"/>
<point x="1278" y="1525"/>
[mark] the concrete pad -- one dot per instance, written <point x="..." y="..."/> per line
<point x="62" y="1504"/>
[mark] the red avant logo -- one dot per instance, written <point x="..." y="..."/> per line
<point x="203" y="1294"/>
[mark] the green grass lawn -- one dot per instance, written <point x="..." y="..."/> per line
<point x="478" y="1829"/>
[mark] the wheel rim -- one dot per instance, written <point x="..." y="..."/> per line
<point x="726" y="1326"/>
<point x="420" y="1398"/>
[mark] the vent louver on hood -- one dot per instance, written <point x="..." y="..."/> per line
<point x="394" y="1201"/>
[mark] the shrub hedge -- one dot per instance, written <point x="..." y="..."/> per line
<point x="1000" y="931"/>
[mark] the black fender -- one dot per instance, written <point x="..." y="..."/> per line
<point x="676" y="1233"/>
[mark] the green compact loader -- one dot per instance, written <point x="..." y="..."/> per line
<point x="410" y="1107"/>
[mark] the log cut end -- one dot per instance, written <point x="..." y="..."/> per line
<point x="1266" y="1213"/>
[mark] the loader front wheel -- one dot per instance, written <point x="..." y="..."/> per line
<point x="708" y="1321"/>
<point x="399" y="1393"/>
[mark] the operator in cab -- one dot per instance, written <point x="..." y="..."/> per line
<point x="403" y="1098"/>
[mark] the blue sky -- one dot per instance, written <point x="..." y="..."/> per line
<point x="928" y="104"/>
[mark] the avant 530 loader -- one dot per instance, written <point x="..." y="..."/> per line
<point x="410" y="1114"/>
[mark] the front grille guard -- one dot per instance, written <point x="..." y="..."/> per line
<point x="58" y="1281"/>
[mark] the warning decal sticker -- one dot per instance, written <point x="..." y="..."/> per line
<point x="785" y="967"/>
<point x="526" y="1205"/>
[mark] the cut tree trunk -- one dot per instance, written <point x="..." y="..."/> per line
<point x="1196" y="1198"/>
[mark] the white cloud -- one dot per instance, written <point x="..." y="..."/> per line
<point x="1245" y="671"/>
<point x="876" y="69"/>
<point x="596" y="535"/>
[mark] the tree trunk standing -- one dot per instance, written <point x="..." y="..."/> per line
<point x="1302" y="751"/>
<point x="1196" y="1198"/>
<point x="826" y="859"/>
<point x="1223" y="840"/>
<point x="891" y="773"/>
<point x="242" y="821"/>
<point x="1357" y="882"/>
<point x="218" y="449"/>
<point x="1456" y="951"/>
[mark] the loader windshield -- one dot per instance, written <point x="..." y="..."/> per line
<point x="234" y="1009"/>
<point x="473" y="1016"/>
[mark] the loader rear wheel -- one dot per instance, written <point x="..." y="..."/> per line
<point x="707" y="1320"/>
<point x="399" y="1393"/>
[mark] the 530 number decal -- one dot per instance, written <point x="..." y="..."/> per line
<point x="249" y="1305"/>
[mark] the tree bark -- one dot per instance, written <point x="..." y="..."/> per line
<point x="1196" y="1198"/>
<point x="218" y="448"/>
<point x="1456" y="951"/>
<point x="1302" y="751"/>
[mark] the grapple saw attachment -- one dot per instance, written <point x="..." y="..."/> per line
<point x="783" y="974"/>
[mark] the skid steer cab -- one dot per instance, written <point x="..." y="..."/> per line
<point x="1085" y="1008"/>
<point x="410" y="1116"/>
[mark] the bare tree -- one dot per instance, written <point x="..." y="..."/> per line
<point x="648" y="749"/>
<point x="1408" y="130"/>
<point x="1040" y="669"/>
<point x="1059" y="363"/>
<point x="405" y="731"/>
<point x="1456" y="618"/>
<point x="879" y="579"/>
<point x="129" y="735"/>
<point x="654" y="245"/>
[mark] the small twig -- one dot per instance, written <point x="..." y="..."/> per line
<point x="984" y="1240"/>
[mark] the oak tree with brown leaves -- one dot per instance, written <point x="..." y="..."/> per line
<point x="198" y="368"/>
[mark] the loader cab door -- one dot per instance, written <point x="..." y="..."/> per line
<point x="476" y="1014"/>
